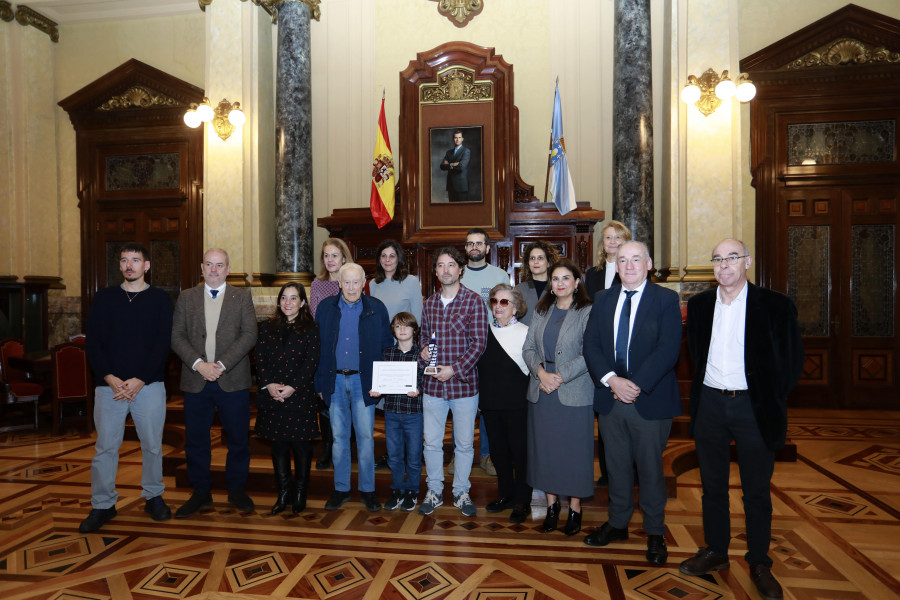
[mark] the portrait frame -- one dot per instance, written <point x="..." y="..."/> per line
<point x="440" y="143"/>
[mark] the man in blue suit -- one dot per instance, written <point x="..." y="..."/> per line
<point x="631" y="345"/>
<point x="456" y="163"/>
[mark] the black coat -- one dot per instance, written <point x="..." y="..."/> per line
<point x="595" y="280"/>
<point x="773" y="355"/>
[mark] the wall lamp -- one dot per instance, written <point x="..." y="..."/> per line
<point x="707" y="91"/>
<point x="224" y="118"/>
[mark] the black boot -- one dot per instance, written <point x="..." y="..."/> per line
<point x="302" y="465"/>
<point x="573" y="523"/>
<point x="324" y="461"/>
<point x="281" y="463"/>
<point x="552" y="518"/>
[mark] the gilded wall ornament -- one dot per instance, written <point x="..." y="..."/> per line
<point x="454" y="85"/>
<point x="138" y="97"/>
<point x="27" y="16"/>
<point x="6" y="11"/>
<point x="460" y="12"/>
<point x="845" y="52"/>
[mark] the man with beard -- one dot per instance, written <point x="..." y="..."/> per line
<point x="128" y="331"/>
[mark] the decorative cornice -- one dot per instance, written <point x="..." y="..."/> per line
<point x="843" y="52"/>
<point x="27" y="16"/>
<point x="456" y="84"/>
<point x="138" y="96"/>
<point x="52" y="282"/>
<point x="460" y="12"/>
<point x="6" y="11"/>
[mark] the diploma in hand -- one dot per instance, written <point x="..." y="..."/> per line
<point x="394" y="377"/>
<point x="431" y="369"/>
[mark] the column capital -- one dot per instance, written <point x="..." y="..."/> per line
<point x="314" y="11"/>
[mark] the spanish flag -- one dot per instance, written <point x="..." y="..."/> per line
<point x="383" y="177"/>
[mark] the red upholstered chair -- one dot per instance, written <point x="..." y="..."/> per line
<point x="78" y="338"/>
<point x="71" y="382"/>
<point x="19" y="390"/>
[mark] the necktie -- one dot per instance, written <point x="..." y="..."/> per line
<point x="213" y="293"/>
<point x="622" y="335"/>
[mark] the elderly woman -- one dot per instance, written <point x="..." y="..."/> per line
<point x="503" y="380"/>
<point x="603" y="276"/>
<point x="392" y="284"/>
<point x="537" y="259"/>
<point x="287" y="354"/>
<point x="560" y="396"/>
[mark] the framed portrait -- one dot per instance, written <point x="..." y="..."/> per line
<point x="456" y="164"/>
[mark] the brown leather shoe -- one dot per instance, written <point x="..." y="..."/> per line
<point x="704" y="562"/>
<point x="766" y="584"/>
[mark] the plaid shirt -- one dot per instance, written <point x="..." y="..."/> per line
<point x="461" y="329"/>
<point x="401" y="403"/>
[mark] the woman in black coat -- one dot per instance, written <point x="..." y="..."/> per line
<point x="287" y="354"/>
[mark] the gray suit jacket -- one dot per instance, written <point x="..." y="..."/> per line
<point x="577" y="388"/>
<point x="235" y="337"/>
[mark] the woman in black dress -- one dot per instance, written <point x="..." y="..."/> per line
<point x="287" y="354"/>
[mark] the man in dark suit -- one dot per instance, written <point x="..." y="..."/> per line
<point x="213" y="331"/>
<point x="456" y="163"/>
<point x="631" y="345"/>
<point x="748" y="354"/>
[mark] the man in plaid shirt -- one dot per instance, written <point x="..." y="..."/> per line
<point x="457" y="317"/>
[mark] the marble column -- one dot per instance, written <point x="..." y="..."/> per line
<point x="633" y="120"/>
<point x="293" y="144"/>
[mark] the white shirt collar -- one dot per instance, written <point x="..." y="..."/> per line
<point x="741" y="297"/>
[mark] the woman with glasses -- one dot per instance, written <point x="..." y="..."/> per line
<point x="561" y="397"/>
<point x="536" y="261"/>
<point x="503" y="384"/>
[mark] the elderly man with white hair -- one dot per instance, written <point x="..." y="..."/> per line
<point x="354" y="330"/>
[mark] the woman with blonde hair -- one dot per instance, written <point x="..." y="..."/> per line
<point x="602" y="275"/>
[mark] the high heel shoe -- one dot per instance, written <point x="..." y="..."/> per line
<point x="552" y="518"/>
<point x="573" y="523"/>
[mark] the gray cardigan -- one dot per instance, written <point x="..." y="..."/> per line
<point x="577" y="388"/>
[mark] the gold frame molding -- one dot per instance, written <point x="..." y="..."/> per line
<point x="843" y="52"/>
<point x="138" y="96"/>
<point x="28" y="16"/>
<point x="6" y="11"/>
<point x="459" y="12"/>
<point x="455" y="84"/>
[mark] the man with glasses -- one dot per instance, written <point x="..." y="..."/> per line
<point x="748" y="355"/>
<point x="481" y="277"/>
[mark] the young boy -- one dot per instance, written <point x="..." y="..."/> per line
<point x="403" y="424"/>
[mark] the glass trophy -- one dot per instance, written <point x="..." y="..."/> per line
<point x="432" y="369"/>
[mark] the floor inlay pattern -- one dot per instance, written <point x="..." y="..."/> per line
<point x="835" y="525"/>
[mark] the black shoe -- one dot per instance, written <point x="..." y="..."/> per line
<point x="197" y="501"/>
<point x="282" y="500"/>
<point x="499" y="505"/>
<point x="552" y="518"/>
<point x="337" y="500"/>
<point x="157" y="509"/>
<point x="410" y="499"/>
<point x="766" y="584"/>
<point x="240" y="500"/>
<point x="381" y="463"/>
<point x="519" y="513"/>
<point x="606" y="534"/>
<point x="705" y="561"/>
<point x="394" y="501"/>
<point x="96" y="519"/>
<point x="573" y="523"/>
<point x="657" y="554"/>
<point x="370" y="500"/>
<point x="299" y="501"/>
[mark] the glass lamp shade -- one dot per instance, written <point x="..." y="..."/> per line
<point x="192" y="119"/>
<point x="236" y="117"/>
<point x="690" y="94"/>
<point x="725" y="89"/>
<point x="205" y="112"/>
<point x="746" y="91"/>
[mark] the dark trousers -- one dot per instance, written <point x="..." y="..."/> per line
<point x="719" y="420"/>
<point x="509" y="452"/>
<point x="234" y="415"/>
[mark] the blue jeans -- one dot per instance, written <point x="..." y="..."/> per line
<point x="148" y="411"/>
<point x="348" y="407"/>
<point x="403" y="435"/>
<point x="434" y="413"/>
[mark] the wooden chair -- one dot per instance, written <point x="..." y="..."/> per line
<point x="71" y="383"/>
<point x="19" y="390"/>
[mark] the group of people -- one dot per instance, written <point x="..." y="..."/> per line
<point x="537" y="361"/>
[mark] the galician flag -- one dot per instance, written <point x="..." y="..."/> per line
<point x="383" y="177"/>
<point x="561" y="190"/>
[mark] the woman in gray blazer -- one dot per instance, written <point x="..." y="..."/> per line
<point x="537" y="260"/>
<point x="560" y="396"/>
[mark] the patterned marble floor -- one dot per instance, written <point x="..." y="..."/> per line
<point x="836" y="526"/>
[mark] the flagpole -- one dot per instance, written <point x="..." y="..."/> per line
<point x="550" y="146"/>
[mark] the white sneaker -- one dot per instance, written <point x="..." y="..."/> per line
<point x="465" y="505"/>
<point x="430" y="503"/>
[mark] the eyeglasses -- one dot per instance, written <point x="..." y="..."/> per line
<point x="728" y="260"/>
<point x="474" y="244"/>
<point x="504" y="302"/>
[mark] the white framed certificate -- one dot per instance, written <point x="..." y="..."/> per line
<point x="389" y="377"/>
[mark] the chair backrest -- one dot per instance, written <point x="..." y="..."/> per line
<point x="11" y="347"/>
<point x="78" y="338"/>
<point x="70" y="371"/>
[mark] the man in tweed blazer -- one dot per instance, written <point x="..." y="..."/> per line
<point x="213" y="331"/>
